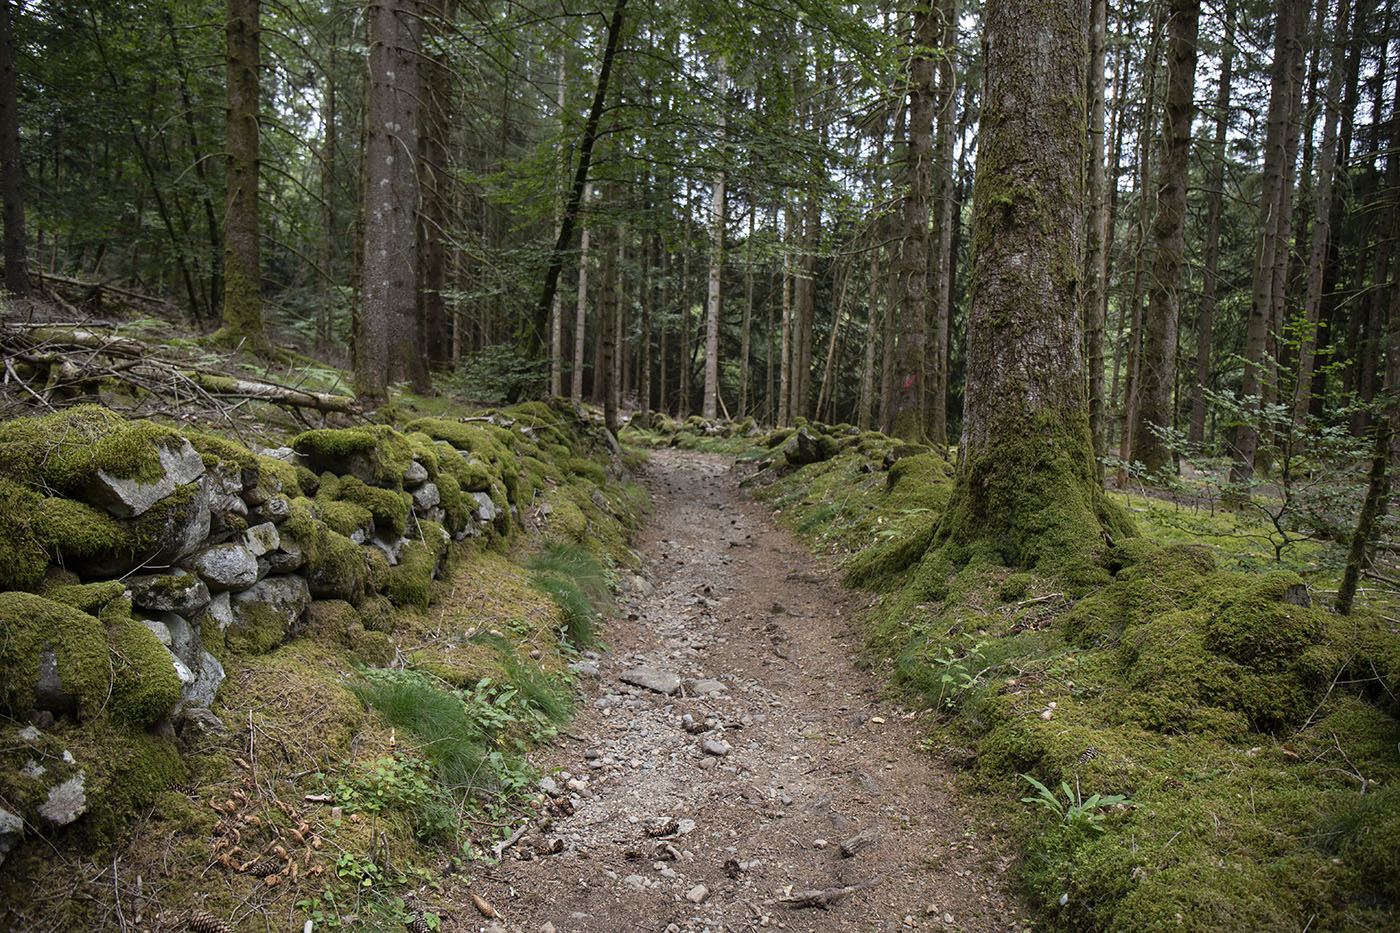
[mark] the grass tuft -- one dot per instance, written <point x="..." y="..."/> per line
<point x="574" y="579"/>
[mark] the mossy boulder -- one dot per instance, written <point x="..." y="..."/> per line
<point x="331" y="562"/>
<point x="410" y="582"/>
<point x="388" y="507"/>
<point x="265" y="614"/>
<point x="377" y="455"/>
<point x="53" y="657"/>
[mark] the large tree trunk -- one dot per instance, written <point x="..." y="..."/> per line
<point x="1289" y="17"/>
<point x="11" y="170"/>
<point x="1157" y="377"/>
<point x="556" y="308"/>
<point x="1205" y="314"/>
<point x="1026" y="494"/>
<point x="908" y="422"/>
<point x="785" y="376"/>
<point x="242" y="317"/>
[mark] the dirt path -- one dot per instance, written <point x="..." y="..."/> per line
<point x="710" y="808"/>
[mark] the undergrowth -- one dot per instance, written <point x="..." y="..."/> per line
<point x="571" y="576"/>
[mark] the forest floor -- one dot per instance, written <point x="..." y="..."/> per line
<point x="792" y="749"/>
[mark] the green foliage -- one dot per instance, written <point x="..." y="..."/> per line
<point x="1075" y="809"/>
<point x="497" y="375"/>
<point x="571" y="576"/>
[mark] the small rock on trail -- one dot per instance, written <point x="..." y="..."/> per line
<point x="735" y="773"/>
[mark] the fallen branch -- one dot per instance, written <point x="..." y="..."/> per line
<point x="103" y="286"/>
<point x="825" y="898"/>
<point x="511" y="840"/>
<point x="229" y="387"/>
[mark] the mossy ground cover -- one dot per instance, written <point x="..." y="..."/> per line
<point x="1251" y="733"/>
<point x="194" y="816"/>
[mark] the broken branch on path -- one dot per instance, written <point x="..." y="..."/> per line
<point x="824" y="898"/>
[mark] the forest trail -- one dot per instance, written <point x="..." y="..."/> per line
<point x="666" y="835"/>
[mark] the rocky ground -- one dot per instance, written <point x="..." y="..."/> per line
<point x="733" y="769"/>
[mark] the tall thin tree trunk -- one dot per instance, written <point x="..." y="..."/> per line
<point x="1205" y="314"/>
<point x="242" y="317"/>
<point x="745" y="331"/>
<point x="909" y="344"/>
<point x="785" y="379"/>
<point x="1322" y="218"/>
<point x="11" y="169"/>
<point x="1155" y="411"/>
<point x="434" y="182"/>
<point x="1287" y="40"/>
<point x="556" y="309"/>
<point x="941" y="239"/>
<point x="581" y="306"/>
<point x="1097" y="222"/>
<point x="712" y="303"/>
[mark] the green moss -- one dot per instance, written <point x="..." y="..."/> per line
<point x="277" y="478"/>
<point x="410" y="583"/>
<point x="389" y="507"/>
<point x="31" y="625"/>
<point x="126" y="772"/>
<point x="378" y="451"/>
<point x="328" y="620"/>
<point x="215" y="450"/>
<point x="373" y="648"/>
<point x="145" y="687"/>
<point x="587" y="469"/>
<point x="65" y="449"/>
<point x="346" y="517"/>
<point x="455" y="506"/>
<point x="261" y="628"/>
<point x="334" y="567"/>
<point x="89" y="598"/>
<point x="487" y="443"/>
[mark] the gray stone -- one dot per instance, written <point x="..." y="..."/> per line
<point x="178" y="591"/>
<point x="11" y="831"/>
<point x="200" y="693"/>
<point x="226" y="567"/>
<point x="485" y="509"/>
<point x="707" y="687"/>
<point x="66" y="802"/>
<point x="127" y="498"/>
<point x="697" y="894"/>
<point x="288" y="595"/>
<point x="30" y="734"/>
<point x="717" y="747"/>
<point x="262" y="539"/>
<point x="392" y="549"/>
<point x="584" y="668"/>
<point x="805" y="447"/>
<point x="198" y="721"/>
<point x="415" y="475"/>
<point x="426" y="496"/>
<point x="288" y="557"/>
<point x="649" y="678"/>
<point x="221" y="608"/>
<point x="277" y="510"/>
<point x="49" y="693"/>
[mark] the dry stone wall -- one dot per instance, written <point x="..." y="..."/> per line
<point x="137" y="562"/>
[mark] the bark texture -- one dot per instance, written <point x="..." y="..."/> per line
<point x="1026" y="493"/>
<point x="11" y="169"/>
<point x="386" y="327"/>
<point x="1157" y="379"/>
<point x="242" y="315"/>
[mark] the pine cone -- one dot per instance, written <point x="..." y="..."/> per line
<point x="201" y="921"/>
<point x="417" y="924"/>
<point x="1089" y="754"/>
<point x="268" y="866"/>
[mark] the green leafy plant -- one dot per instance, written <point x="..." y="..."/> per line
<point x="1075" y="809"/>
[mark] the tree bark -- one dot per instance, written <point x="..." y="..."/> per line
<point x="1210" y="273"/>
<point x="746" y="329"/>
<point x="1287" y="42"/>
<point x="941" y="235"/>
<point x="1026" y="494"/>
<point x="712" y="303"/>
<point x="1094" y="266"/>
<point x="581" y="307"/>
<point x="1322" y="220"/>
<point x="785" y="378"/>
<point x="434" y="181"/>
<point x="242" y="315"/>
<point x="11" y="168"/>
<point x="386" y="347"/>
<point x="908" y="423"/>
<point x="1157" y="378"/>
<point x="585" y="157"/>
